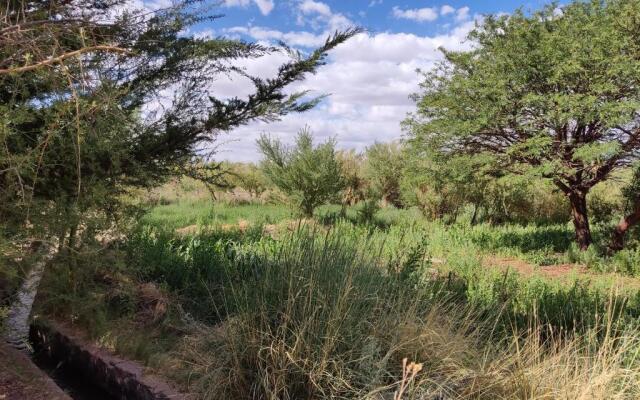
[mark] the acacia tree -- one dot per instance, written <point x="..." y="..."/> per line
<point x="556" y="92"/>
<point x="310" y="175"/>
<point x="96" y="98"/>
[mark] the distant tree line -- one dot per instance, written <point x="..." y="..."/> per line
<point x="528" y="126"/>
<point x="315" y="174"/>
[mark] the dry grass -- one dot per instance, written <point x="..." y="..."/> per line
<point x="454" y="365"/>
<point x="322" y="321"/>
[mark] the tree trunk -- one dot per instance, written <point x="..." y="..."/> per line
<point x="578" y="201"/>
<point x="474" y="217"/>
<point x="617" y="239"/>
<point x="307" y="209"/>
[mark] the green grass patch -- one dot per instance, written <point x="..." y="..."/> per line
<point x="205" y="212"/>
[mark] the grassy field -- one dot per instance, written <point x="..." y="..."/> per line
<point x="484" y="244"/>
<point x="254" y="303"/>
<point x="206" y="213"/>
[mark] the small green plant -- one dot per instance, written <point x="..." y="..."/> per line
<point x="310" y="175"/>
<point x="367" y="210"/>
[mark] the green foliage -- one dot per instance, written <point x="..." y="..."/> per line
<point x="606" y="200"/>
<point x="383" y="169"/>
<point x="356" y="184"/>
<point x="193" y="267"/>
<point x="320" y="300"/>
<point x="555" y="93"/>
<point x="81" y="132"/>
<point x="367" y="210"/>
<point x="631" y="192"/>
<point x="246" y="176"/>
<point x="205" y="213"/>
<point x="449" y="187"/>
<point x="303" y="292"/>
<point x="98" y="293"/>
<point x="74" y="289"/>
<point x="522" y="239"/>
<point x="441" y="186"/>
<point x="310" y="175"/>
<point x="390" y="234"/>
<point x="331" y="300"/>
<point x="12" y="271"/>
<point x="626" y="261"/>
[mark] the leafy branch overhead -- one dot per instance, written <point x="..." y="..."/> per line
<point x="269" y="101"/>
<point x="96" y="98"/>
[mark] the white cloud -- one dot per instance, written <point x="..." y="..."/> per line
<point x="157" y="4"/>
<point x="296" y="39"/>
<point x="320" y="16"/>
<point x="447" y="9"/>
<point x="311" y="7"/>
<point x="237" y="3"/>
<point x="417" y="14"/>
<point x="369" y="79"/>
<point x="462" y="14"/>
<point x="204" y="34"/>
<point x="265" y="6"/>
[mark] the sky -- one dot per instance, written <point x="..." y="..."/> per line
<point x="368" y="80"/>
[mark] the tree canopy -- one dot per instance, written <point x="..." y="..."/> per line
<point x="96" y="98"/>
<point x="556" y="92"/>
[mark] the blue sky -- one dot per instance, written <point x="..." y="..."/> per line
<point x="368" y="79"/>
<point x="375" y="15"/>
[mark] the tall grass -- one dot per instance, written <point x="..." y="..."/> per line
<point x="319" y="318"/>
<point x="337" y="310"/>
<point x="197" y="268"/>
<point x="324" y="317"/>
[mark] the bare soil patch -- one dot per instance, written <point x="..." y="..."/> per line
<point x="563" y="272"/>
<point x="527" y="269"/>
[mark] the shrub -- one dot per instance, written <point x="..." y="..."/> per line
<point x="310" y="175"/>
<point x="384" y="169"/>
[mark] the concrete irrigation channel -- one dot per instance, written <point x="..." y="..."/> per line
<point x="42" y="359"/>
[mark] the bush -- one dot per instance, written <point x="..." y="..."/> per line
<point x="310" y="175"/>
<point x="384" y="169"/>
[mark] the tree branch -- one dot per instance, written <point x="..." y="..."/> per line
<point x="26" y="68"/>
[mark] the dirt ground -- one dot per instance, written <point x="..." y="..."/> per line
<point x="558" y="271"/>
<point x="524" y="268"/>
<point x="20" y="379"/>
